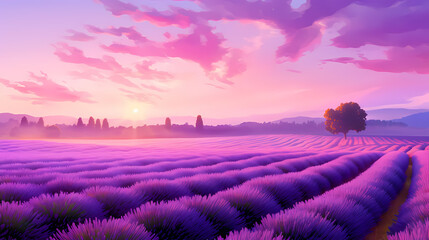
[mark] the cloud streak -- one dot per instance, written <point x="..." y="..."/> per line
<point x="79" y="36"/>
<point x="41" y="89"/>
<point x="117" y="72"/>
<point x="398" y="60"/>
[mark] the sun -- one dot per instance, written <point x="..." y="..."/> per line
<point x="136" y="110"/>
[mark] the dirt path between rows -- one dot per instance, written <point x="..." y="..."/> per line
<point x="379" y="232"/>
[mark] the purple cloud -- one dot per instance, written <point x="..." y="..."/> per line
<point x="398" y="60"/>
<point x="401" y="25"/>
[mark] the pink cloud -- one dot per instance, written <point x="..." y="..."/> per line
<point x="79" y="36"/>
<point x="118" y="73"/>
<point x="235" y="63"/>
<point x="129" y="32"/>
<point x="294" y="71"/>
<point x="117" y="7"/>
<point x="70" y="54"/>
<point x="158" y="18"/>
<point x="232" y="65"/>
<point x="42" y="89"/>
<point x="201" y="46"/>
<point x="152" y="87"/>
<point x="167" y="35"/>
<point x="148" y="73"/>
<point x="339" y="60"/>
<point x="162" y="19"/>
<point x="122" y="80"/>
<point x="139" y="96"/>
<point x="215" y="86"/>
<point x="87" y="74"/>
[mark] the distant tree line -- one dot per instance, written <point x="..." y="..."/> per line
<point x="385" y="123"/>
<point x="37" y="129"/>
<point x="97" y="128"/>
<point x="93" y="124"/>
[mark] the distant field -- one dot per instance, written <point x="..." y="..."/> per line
<point x="251" y="187"/>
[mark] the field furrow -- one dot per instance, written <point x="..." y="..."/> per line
<point x="346" y="212"/>
<point x="413" y="218"/>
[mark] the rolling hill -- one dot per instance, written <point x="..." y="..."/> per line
<point x="418" y="120"/>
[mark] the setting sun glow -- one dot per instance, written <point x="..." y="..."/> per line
<point x="135" y="110"/>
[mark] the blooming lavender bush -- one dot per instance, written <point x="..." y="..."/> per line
<point x="116" y="202"/>
<point x="112" y="229"/>
<point x="63" y="209"/>
<point x="247" y="234"/>
<point x="221" y="215"/>
<point x="172" y="220"/>
<point x="10" y="192"/>
<point x="417" y="230"/>
<point x="19" y="221"/>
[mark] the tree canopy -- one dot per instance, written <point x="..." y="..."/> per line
<point x="346" y="117"/>
<point x="199" y="125"/>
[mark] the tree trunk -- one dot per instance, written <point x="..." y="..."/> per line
<point x="345" y="135"/>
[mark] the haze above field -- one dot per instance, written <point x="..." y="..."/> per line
<point x="412" y="117"/>
<point x="237" y="61"/>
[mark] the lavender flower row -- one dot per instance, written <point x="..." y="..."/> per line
<point x="413" y="218"/>
<point x="164" y="189"/>
<point x="163" y="170"/>
<point x="48" y="213"/>
<point x="113" y="166"/>
<point x="346" y="212"/>
<point x="207" y="217"/>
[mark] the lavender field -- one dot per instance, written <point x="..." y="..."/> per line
<point x="237" y="188"/>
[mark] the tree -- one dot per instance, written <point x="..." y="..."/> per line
<point x="98" y="124"/>
<point x="105" y="125"/>
<point x="24" y="122"/>
<point x="41" y="123"/>
<point x="168" y="123"/>
<point x="52" y="132"/>
<point x="91" y="123"/>
<point x="199" y="123"/>
<point x="346" y="117"/>
<point x="80" y="123"/>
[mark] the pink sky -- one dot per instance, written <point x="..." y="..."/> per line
<point x="220" y="59"/>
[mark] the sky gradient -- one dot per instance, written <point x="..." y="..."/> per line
<point x="217" y="58"/>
